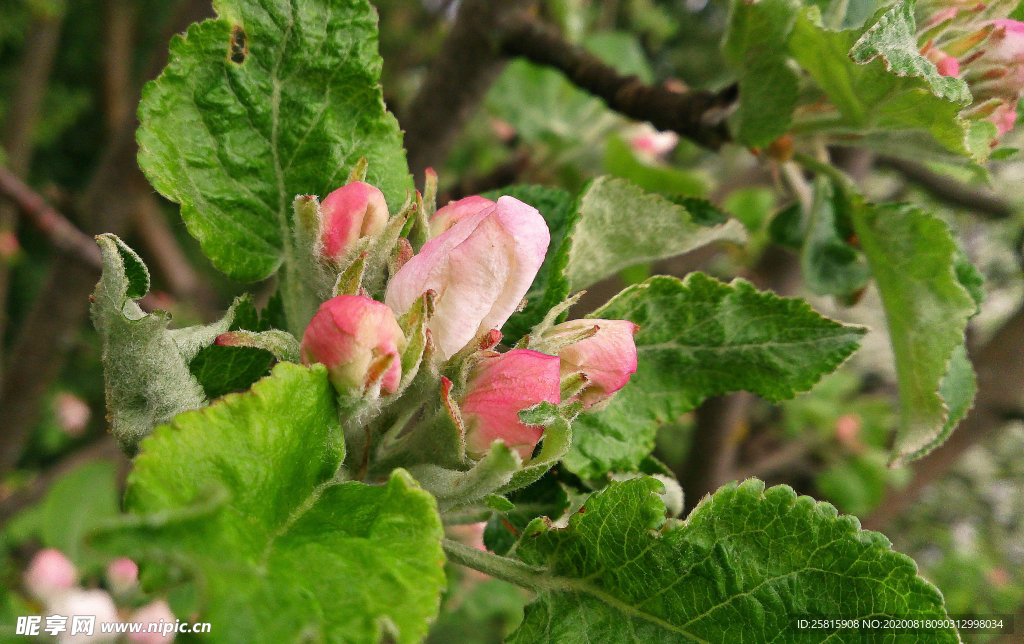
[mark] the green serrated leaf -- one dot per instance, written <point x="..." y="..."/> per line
<point x="550" y="286"/>
<point x="145" y="364"/>
<point x="268" y="101"/>
<point x="892" y="89"/>
<point x="746" y="565"/>
<point x="620" y="225"/>
<point x="914" y="261"/>
<point x="769" y="88"/>
<point x="893" y="38"/>
<point x="701" y="338"/>
<point x="265" y="526"/>
<point x="829" y="263"/>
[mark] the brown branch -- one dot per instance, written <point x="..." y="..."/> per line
<point x="456" y="81"/>
<point x="1000" y="398"/>
<point x="61" y="306"/>
<point x="698" y="115"/>
<point x="948" y="189"/>
<point x="62" y="233"/>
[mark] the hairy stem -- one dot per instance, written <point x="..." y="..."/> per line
<point x="503" y="568"/>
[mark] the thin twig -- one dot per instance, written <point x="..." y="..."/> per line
<point x="62" y="233"/>
<point x="950" y="190"/>
<point x="698" y="115"/>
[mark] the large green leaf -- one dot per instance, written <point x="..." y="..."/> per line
<point x="701" y="338"/>
<point x="145" y="364"/>
<point x="878" y="80"/>
<point x="917" y="267"/>
<point x="270" y="100"/>
<point x="745" y="566"/>
<point x="246" y="496"/>
<point x="620" y="225"/>
<point x="768" y="87"/>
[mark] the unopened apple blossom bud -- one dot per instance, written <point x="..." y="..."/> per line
<point x="122" y="576"/>
<point x="359" y="341"/>
<point x="498" y="389"/>
<point x="50" y="574"/>
<point x="157" y="612"/>
<point x="607" y="358"/>
<point x="95" y="602"/>
<point x="350" y="212"/>
<point x="1004" y="117"/>
<point x="455" y="212"/>
<point x="480" y="268"/>
<point x="72" y="413"/>
<point x="946" y="64"/>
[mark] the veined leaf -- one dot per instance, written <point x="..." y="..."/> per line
<point x="620" y="225"/>
<point x="744" y="567"/>
<point x="245" y="497"/>
<point x="701" y="338"/>
<point x="879" y="82"/>
<point x="917" y="267"/>
<point x="268" y="101"/>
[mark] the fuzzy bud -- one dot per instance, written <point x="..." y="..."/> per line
<point x="359" y="341"/>
<point x="151" y="613"/>
<point x="498" y="389"/>
<point x="122" y="576"/>
<point x="607" y="358"/>
<point x="350" y="212"/>
<point x="86" y="602"/>
<point x="480" y="269"/>
<point x="49" y="574"/>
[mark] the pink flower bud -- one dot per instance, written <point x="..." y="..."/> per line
<point x="946" y="64"/>
<point x="353" y="336"/>
<point x="122" y="575"/>
<point x="157" y="612"/>
<point x="650" y="144"/>
<point x="72" y="413"/>
<point x="607" y="359"/>
<point x="85" y="602"/>
<point x="49" y="574"/>
<point x="350" y="212"/>
<point x="1004" y="117"/>
<point x="455" y="212"/>
<point x="499" y="388"/>
<point x="480" y="269"/>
